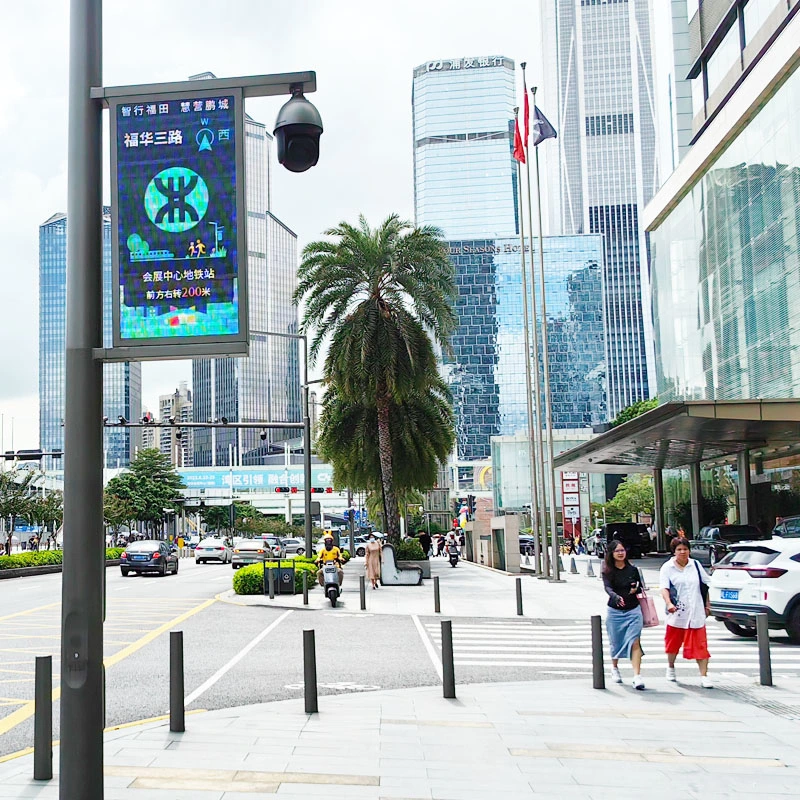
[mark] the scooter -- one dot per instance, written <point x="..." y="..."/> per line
<point x="452" y="552"/>
<point x="330" y="580"/>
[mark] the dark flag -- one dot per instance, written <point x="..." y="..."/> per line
<point x="519" y="150"/>
<point x="542" y="129"/>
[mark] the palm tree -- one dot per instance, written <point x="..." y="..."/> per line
<point x="380" y="295"/>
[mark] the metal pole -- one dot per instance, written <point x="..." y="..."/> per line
<point x="43" y="720"/>
<point x="548" y="405"/>
<point x="598" y="672"/>
<point x="271" y="582"/>
<point x="310" y="672"/>
<point x="528" y="383"/>
<point x="448" y="671"/>
<point x="362" y="588"/>
<point x="305" y="588"/>
<point x="519" y="597"/>
<point x="437" y="602"/>
<point x="764" y="657"/>
<point x="176" y="708"/>
<point x="82" y="677"/>
<point x="306" y="451"/>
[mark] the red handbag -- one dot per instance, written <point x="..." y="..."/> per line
<point x="648" y="606"/>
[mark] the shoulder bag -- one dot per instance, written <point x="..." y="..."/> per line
<point x="703" y="586"/>
<point x="648" y="606"/>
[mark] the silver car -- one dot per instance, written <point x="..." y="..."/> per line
<point x="212" y="549"/>
<point x="274" y="545"/>
<point x="294" y="547"/>
<point x="250" y="551"/>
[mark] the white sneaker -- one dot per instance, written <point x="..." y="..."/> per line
<point x="671" y="674"/>
<point x="615" y="676"/>
<point x="706" y="682"/>
<point x="638" y="683"/>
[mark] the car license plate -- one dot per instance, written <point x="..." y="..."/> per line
<point x="729" y="594"/>
<point x="140" y="558"/>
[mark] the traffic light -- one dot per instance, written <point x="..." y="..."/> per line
<point x="317" y="490"/>
<point x="471" y="505"/>
<point x="28" y="455"/>
<point x="282" y="489"/>
<point x="329" y="490"/>
<point x="294" y="490"/>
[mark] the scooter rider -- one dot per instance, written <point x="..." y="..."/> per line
<point x="330" y="553"/>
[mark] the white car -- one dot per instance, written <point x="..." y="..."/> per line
<point x="212" y="550"/>
<point x="294" y="546"/>
<point x="758" y="577"/>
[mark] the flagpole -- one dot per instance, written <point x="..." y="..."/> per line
<point x="540" y="473"/>
<point x="537" y="553"/>
<point x="548" y="405"/>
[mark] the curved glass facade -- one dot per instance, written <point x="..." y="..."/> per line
<point x="726" y="268"/>
<point x="487" y="370"/>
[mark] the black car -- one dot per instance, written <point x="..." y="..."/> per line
<point x="787" y="527"/>
<point x="712" y="543"/>
<point x="526" y="545"/>
<point x="627" y="532"/>
<point x="149" y="556"/>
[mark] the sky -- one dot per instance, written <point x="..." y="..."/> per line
<point x="363" y="51"/>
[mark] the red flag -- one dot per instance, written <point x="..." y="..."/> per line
<point x="519" y="150"/>
<point x="526" y="110"/>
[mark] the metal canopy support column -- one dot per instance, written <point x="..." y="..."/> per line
<point x="744" y="486"/>
<point x="696" y="494"/>
<point x="658" y="493"/>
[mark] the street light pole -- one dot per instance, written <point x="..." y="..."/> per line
<point x="82" y="676"/>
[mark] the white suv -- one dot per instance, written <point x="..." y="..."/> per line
<point x="759" y="577"/>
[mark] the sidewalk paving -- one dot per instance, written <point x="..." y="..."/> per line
<point x="467" y="590"/>
<point x="555" y="739"/>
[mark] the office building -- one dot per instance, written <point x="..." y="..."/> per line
<point x="265" y="386"/>
<point x="725" y="227"/>
<point x="486" y="371"/>
<point x="464" y="176"/>
<point x="122" y="383"/>
<point x="604" y="168"/>
<point x="176" y="442"/>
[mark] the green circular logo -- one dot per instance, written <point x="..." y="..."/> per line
<point x="176" y="199"/>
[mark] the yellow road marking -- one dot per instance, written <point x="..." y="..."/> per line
<point x="21" y="714"/>
<point x="29" y="611"/>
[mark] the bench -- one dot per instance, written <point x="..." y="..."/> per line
<point x="392" y="574"/>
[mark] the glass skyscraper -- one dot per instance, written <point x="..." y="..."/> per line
<point x="265" y="386"/>
<point x="122" y="383"/>
<point x="487" y="369"/>
<point x="600" y="58"/>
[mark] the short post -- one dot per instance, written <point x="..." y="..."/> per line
<point x="519" y="597"/>
<point x="437" y="601"/>
<point x="177" y="722"/>
<point x="43" y="720"/>
<point x="448" y="670"/>
<point x="573" y="567"/>
<point x="764" y="657"/>
<point x="310" y="671"/>
<point x="271" y="582"/>
<point x="305" y="587"/>
<point x="598" y="673"/>
<point x="362" y="589"/>
<point x="589" y="569"/>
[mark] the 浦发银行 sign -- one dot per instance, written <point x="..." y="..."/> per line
<point x="178" y="209"/>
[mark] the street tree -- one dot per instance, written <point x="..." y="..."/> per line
<point x="634" y="410"/>
<point x="16" y="490"/>
<point x="46" y="512"/>
<point x="378" y="296"/>
<point x="118" y="512"/>
<point x="634" y="496"/>
<point x="150" y="485"/>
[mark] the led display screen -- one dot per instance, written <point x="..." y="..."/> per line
<point x="177" y="218"/>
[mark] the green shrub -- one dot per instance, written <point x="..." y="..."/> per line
<point x="46" y="558"/>
<point x="409" y="550"/>
<point x="250" y="580"/>
<point x="113" y="553"/>
<point x="346" y="556"/>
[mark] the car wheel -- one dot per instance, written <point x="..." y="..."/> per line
<point x="125" y="573"/>
<point x="360" y="552"/>
<point x="301" y="551"/>
<point x="793" y="624"/>
<point x="176" y="568"/>
<point x="739" y="630"/>
<point x="162" y="570"/>
<point x="713" y="558"/>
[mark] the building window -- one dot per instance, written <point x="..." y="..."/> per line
<point x="723" y="58"/>
<point x="698" y="95"/>
<point x="607" y="124"/>
<point x="755" y="15"/>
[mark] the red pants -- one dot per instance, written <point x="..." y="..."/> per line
<point x="694" y="641"/>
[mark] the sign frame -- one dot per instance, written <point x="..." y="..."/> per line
<point x="168" y="348"/>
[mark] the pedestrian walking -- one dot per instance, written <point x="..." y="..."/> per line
<point x="684" y="587"/>
<point x="373" y="560"/>
<point x="439" y="544"/>
<point x="624" y="620"/>
<point x="425" y="543"/>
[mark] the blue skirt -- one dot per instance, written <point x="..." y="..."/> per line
<point x="624" y="628"/>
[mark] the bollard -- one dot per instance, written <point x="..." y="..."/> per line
<point x="764" y="657"/>
<point x="437" y="602"/>
<point x="560" y="565"/>
<point x="177" y="722"/>
<point x="305" y="588"/>
<point x="519" y="597"/>
<point x="598" y="674"/>
<point x="362" y="588"/>
<point x="589" y="570"/>
<point x="271" y="582"/>
<point x="310" y="671"/>
<point x="573" y="567"/>
<point x="448" y="670"/>
<point x="642" y="581"/>
<point x="43" y="720"/>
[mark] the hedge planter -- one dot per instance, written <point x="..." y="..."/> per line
<point x="423" y="564"/>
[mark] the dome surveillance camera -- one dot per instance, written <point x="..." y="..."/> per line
<point x="297" y="131"/>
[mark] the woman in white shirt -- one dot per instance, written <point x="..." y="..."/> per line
<point x="684" y="583"/>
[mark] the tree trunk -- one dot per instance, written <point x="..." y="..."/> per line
<point x="387" y="476"/>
